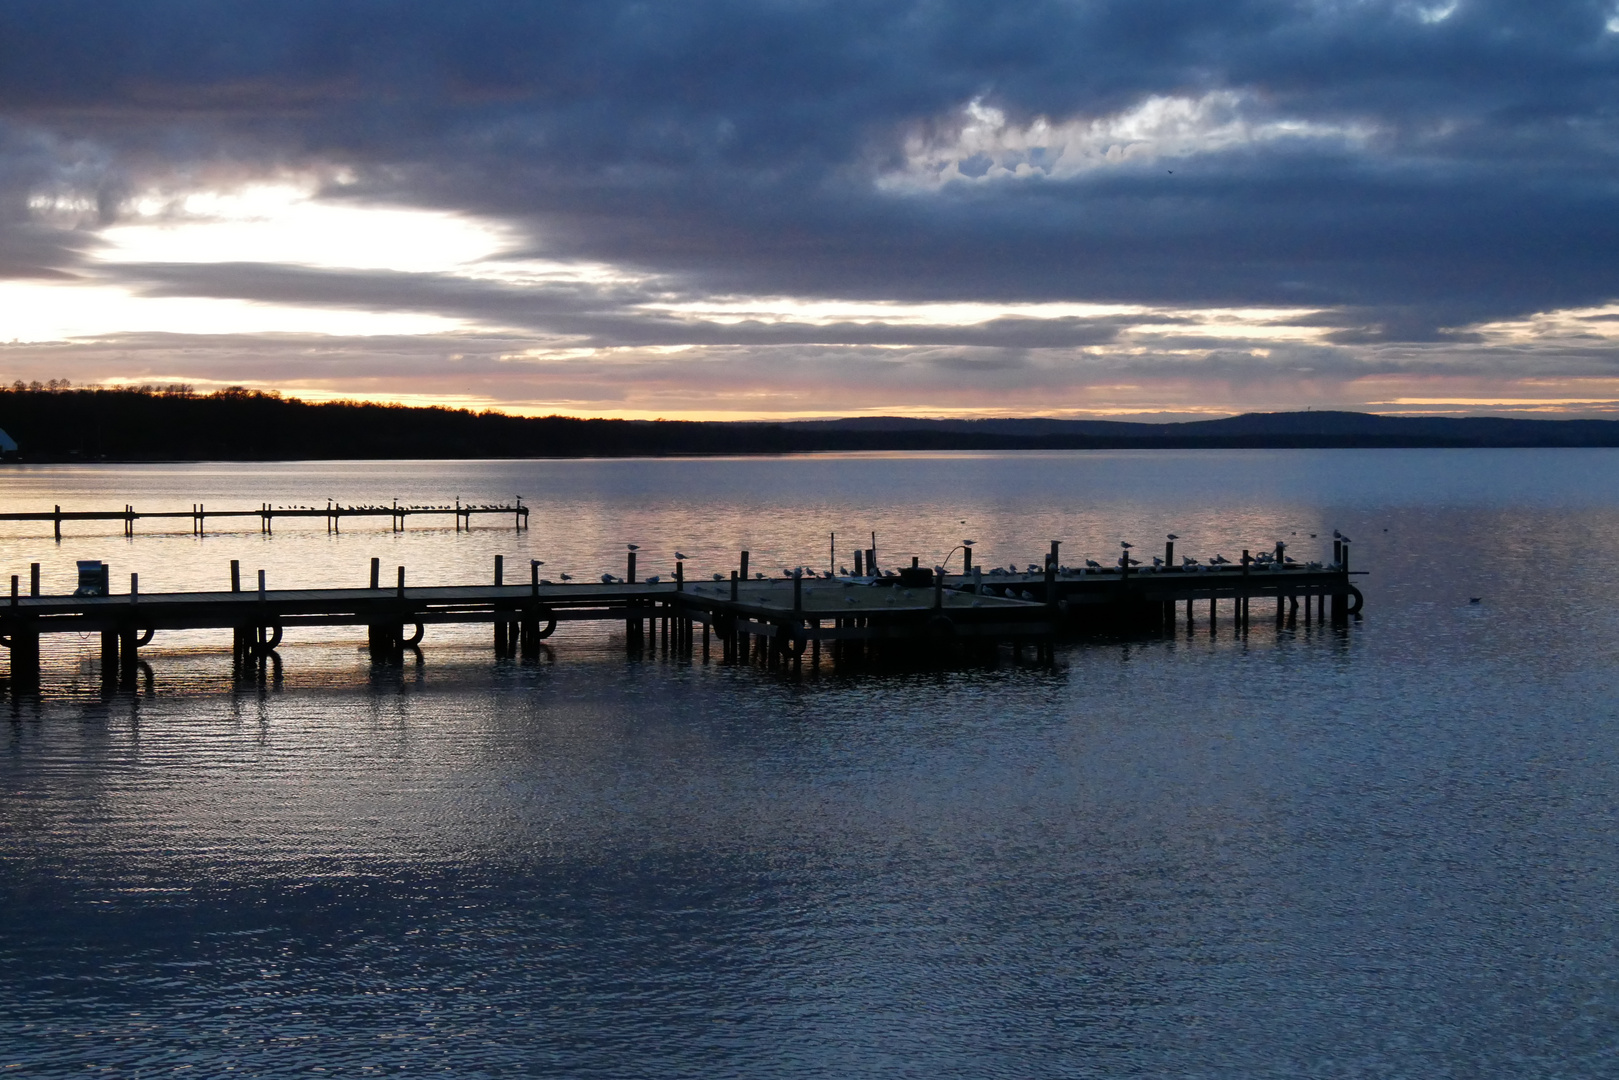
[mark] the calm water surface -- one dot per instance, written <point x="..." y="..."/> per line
<point x="1382" y="852"/>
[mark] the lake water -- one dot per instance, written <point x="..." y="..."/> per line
<point x="1381" y="850"/>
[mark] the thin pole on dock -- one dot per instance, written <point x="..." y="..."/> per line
<point x="832" y="554"/>
<point x="401" y="592"/>
<point x="744" y="572"/>
<point x="58" y="522"/>
<point x="13" y="590"/>
<point x="33" y="579"/>
<point x="376" y="573"/>
<point x="235" y="575"/>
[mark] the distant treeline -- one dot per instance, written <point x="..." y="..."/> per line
<point x="173" y="423"/>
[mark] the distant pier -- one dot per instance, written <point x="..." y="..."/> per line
<point x="913" y="614"/>
<point x="333" y="513"/>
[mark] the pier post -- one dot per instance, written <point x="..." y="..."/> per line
<point x="859" y="563"/>
<point x="1247" y="562"/>
<point x="25" y="657"/>
<point x="376" y="573"/>
<point x="966" y="559"/>
<point x="500" y="623"/>
<point x="128" y="656"/>
<point x="33" y="579"/>
<point x="744" y="567"/>
<point x="238" y="634"/>
<point x="109" y="657"/>
<point x="798" y="591"/>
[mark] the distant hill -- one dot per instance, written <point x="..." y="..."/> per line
<point x="1257" y="430"/>
<point x="239" y="425"/>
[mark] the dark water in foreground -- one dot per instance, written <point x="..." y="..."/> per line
<point x="1382" y="852"/>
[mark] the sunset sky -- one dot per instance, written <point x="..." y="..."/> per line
<point x="777" y="208"/>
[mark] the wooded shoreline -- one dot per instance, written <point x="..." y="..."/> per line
<point x="95" y="424"/>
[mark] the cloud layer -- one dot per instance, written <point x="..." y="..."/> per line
<point x="786" y="207"/>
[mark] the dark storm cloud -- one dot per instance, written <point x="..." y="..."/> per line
<point x="736" y="146"/>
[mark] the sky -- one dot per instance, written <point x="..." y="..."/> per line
<point x="718" y="209"/>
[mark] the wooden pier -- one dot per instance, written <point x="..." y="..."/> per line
<point x="333" y="513"/>
<point x="914" y="614"/>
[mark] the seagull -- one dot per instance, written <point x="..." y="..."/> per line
<point x="1157" y="562"/>
<point x="607" y="579"/>
<point x="719" y="577"/>
<point x="545" y="581"/>
<point x="567" y="577"/>
<point x="1093" y="564"/>
<point x="653" y="580"/>
<point x="1336" y="535"/>
<point x="1172" y="536"/>
<point x="679" y="556"/>
<point x="633" y="547"/>
<point x="1126" y="545"/>
<point x="760" y="576"/>
<point x="1025" y="595"/>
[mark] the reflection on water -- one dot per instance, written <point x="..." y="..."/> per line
<point x="1303" y="852"/>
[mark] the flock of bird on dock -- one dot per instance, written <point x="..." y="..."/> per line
<point x="1265" y="560"/>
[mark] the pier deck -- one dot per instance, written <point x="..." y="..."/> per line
<point x="776" y="620"/>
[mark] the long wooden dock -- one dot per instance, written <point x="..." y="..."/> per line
<point x="333" y="514"/>
<point x="912" y="614"/>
